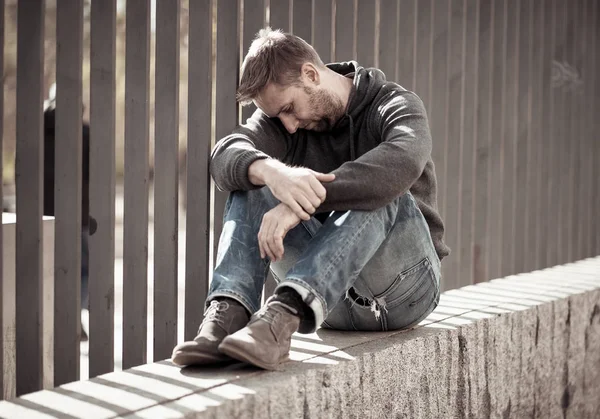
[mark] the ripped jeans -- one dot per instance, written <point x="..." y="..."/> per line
<point x="359" y="270"/>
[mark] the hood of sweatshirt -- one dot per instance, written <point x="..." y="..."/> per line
<point x="366" y="84"/>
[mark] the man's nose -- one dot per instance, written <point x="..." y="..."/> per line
<point x="290" y="123"/>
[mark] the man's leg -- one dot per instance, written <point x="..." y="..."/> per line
<point x="348" y="244"/>
<point x="238" y="278"/>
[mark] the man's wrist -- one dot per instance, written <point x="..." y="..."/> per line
<point x="260" y="171"/>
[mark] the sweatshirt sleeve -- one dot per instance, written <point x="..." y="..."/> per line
<point x="389" y="170"/>
<point x="259" y="138"/>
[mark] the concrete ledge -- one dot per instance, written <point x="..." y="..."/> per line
<point x="522" y="346"/>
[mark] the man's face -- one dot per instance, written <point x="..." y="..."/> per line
<point x="301" y="106"/>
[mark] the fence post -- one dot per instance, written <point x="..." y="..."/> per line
<point x="29" y="168"/>
<point x="102" y="186"/>
<point x="67" y="185"/>
<point x="198" y="202"/>
<point x="135" y="217"/>
<point x="166" y="170"/>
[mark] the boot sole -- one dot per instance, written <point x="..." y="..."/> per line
<point x="184" y="359"/>
<point x="243" y="356"/>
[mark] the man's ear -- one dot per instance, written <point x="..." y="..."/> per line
<point x="311" y="74"/>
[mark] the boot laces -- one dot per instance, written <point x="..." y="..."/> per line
<point x="215" y="312"/>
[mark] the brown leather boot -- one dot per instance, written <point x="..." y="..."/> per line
<point x="265" y="341"/>
<point x="221" y="318"/>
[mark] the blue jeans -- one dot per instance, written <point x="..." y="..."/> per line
<point x="359" y="270"/>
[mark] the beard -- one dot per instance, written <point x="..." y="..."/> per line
<point x="327" y="109"/>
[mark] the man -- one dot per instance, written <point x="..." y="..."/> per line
<point x="332" y="188"/>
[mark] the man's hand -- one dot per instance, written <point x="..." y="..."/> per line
<point x="275" y="225"/>
<point x="297" y="187"/>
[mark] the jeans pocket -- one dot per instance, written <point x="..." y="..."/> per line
<point x="412" y="296"/>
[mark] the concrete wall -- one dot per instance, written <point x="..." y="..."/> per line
<point x="518" y="347"/>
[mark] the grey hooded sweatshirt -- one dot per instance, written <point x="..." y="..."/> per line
<point x="379" y="150"/>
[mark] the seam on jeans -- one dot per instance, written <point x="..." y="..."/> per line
<point x="352" y="240"/>
<point x="229" y="293"/>
<point x="312" y="291"/>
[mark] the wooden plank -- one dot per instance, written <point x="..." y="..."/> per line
<point x="28" y="178"/>
<point x="508" y="140"/>
<point x="226" y="107"/>
<point x="424" y="47"/>
<point x="279" y="14"/>
<point x="67" y="186"/>
<point x="570" y="140"/>
<point x="302" y="19"/>
<point x="456" y="91"/>
<point x="166" y="177"/>
<point x="562" y="113"/>
<point x="344" y="30"/>
<point x="538" y="65"/>
<point x="4" y="385"/>
<point x="549" y="233"/>
<point x="497" y="132"/>
<point x="323" y="29"/>
<point x="135" y="217"/>
<point x="254" y="20"/>
<point x="366" y="49"/>
<point x="438" y="111"/>
<point x="102" y="186"/>
<point x="388" y="39"/>
<point x="594" y="140"/>
<point x="197" y="238"/>
<point x="484" y="116"/>
<point x="468" y="147"/>
<point x="407" y="38"/>
<point x="526" y="163"/>
<point x="582" y="180"/>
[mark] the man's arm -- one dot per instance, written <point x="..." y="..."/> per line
<point x="251" y="157"/>
<point x="260" y="138"/>
<point x="390" y="169"/>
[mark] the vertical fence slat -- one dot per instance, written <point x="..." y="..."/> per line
<point x="227" y="78"/>
<point x="28" y="177"/>
<point x="579" y="160"/>
<point x="539" y="46"/>
<point x="497" y="131"/>
<point x="280" y="15"/>
<point x="388" y="39"/>
<point x="3" y="289"/>
<point x="102" y="186"/>
<point x="302" y="19"/>
<point x="482" y="138"/>
<point x="549" y="235"/>
<point x="587" y="146"/>
<point x="166" y="177"/>
<point x="67" y="202"/>
<point x="468" y="145"/>
<point x="570" y="131"/>
<point x="322" y="32"/>
<point x="135" y="217"/>
<point x="344" y="30"/>
<point x="594" y="137"/>
<point x="438" y="110"/>
<point x="406" y="42"/>
<point x="455" y="77"/>
<point x="558" y="241"/>
<point x="525" y="161"/>
<point x="254" y="17"/>
<point x="197" y="258"/>
<point x="508" y="140"/>
<point x="424" y="44"/>
<point x="365" y="36"/>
